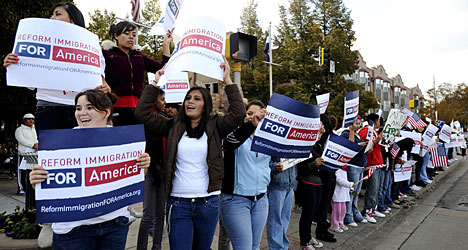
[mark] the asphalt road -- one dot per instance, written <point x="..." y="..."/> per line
<point x="438" y="220"/>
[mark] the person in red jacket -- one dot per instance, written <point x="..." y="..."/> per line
<point x="125" y="69"/>
<point x="374" y="164"/>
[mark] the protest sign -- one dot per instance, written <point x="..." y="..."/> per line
<point x="167" y="20"/>
<point x="425" y="145"/>
<point x="200" y="49"/>
<point x="55" y="55"/>
<point x="175" y="86"/>
<point x="289" y="130"/>
<point x="445" y="133"/>
<point x="460" y="140"/>
<point x="457" y="125"/>
<point x="291" y="162"/>
<point x="91" y="172"/>
<point x="403" y="172"/>
<point x="370" y="137"/>
<point x="416" y="138"/>
<point x="394" y="123"/>
<point x="322" y="102"/>
<point x="430" y="132"/>
<point x="338" y="151"/>
<point x="351" y="108"/>
<point x="453" y="141"/>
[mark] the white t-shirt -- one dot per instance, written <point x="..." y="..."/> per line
<point x="65" y="227"/>
<point x="191" y="175"/>
<point x="62" y="96"/>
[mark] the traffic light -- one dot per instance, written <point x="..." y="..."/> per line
<point x="325" y="56"/>
<point x="411" y="104"/>
<point x="241" y="47"/>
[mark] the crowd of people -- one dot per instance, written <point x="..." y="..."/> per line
<point x="200" y="171"/>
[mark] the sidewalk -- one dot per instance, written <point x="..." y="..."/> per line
<point x="347" y="240"/>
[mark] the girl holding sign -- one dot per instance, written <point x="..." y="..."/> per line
<point x="193" y="163"/>
<point x="93" y="109"/>
<point x="125" y="69"/>
<point x="244" y="207"/>
<point x="55" y="108"/>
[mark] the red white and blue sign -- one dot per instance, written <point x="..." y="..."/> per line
<point x="338" y="152"/>
<point x="351" y="108"/>
<point x="289" y="130"/>
<point x="92" y="172"/>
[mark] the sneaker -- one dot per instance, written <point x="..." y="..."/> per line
<point x="389" y="209"/>
<point x="21" y="192"/>
<point x="307" y="247"/>
<point x="313" y="242"/>
<point x="395" y="206"/>
<point x="135" y="213"/>
<point x="352" y="224"/>
<point x="336" y="229"/>
<point x="345" y="228"/>
<point x="386" y="211"/>
<point x="378" y="214"/>
<point x="415" y="188"/>
<point x="368" y="216"/>
<point x="402" y="195"/>
<point x="364" y="221"/>
<point x="428" y="182"/>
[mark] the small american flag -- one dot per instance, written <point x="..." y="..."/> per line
<point x="135" y="10"/>
<point x="370" y="172"/>
<point x="439" y="158"/>
<point x="394" y="151"/>
<point x="416" y="121"/>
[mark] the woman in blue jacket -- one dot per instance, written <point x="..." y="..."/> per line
<point x="244" y="207"/>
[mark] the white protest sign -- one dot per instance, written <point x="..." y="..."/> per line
<point x="430" y="131"/>
<point x="460" y="140"/>
<point x="425" y="145"/>
<point x="403" y="172"/>
<point x="291" y="162"/>
<point x="394" y="123"/>
<point x="55" y="55"/>
<point x="91" y="177"/>
<point x="338" y="151"/>
<point x="289" y="130"/>
<point x="370" y="138"/>
<point x="453" y="141"/>
<point x="175" y="86"/>
<point x="322" y="101"/>
<point x="200" y="49"/>
<point x="416" y="138"/>
<point x="351" y="108"/>
<point x="445" y="133"/>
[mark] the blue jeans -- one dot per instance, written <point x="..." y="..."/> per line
<point x="352" y="210"/>
<point x="372" y="191"/>
<point x="106" y="235"/>
<point x="385" y="179"/>
<point x="244" y="220"/>
<point x="192" y="222"/>
<point x="279" y="213"/>
<point x="423" y="174"/>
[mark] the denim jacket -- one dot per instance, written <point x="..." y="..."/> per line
<point x="284" y="180"/>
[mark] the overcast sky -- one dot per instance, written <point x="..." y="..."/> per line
<point x="416" y="39"/>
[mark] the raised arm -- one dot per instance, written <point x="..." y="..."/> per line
<point x="236" y="111"/>
<point x="144" y="114"/>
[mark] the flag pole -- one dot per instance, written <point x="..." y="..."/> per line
<point x="271" y="62"/>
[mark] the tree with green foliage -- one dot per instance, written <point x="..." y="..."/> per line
<point x="16" y="101"/>
<point x="305" y="27"/>
<point x="100" y="22"/>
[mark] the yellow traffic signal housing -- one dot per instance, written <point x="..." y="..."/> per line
<point x="325" y="56"/>
<point x="411" y="104"/>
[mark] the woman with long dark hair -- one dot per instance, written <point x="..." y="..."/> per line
<point x="126" y="66"/>
<point x="193" y="167"/>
